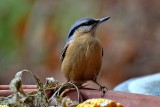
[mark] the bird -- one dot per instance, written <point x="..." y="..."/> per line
<point x="81" y="57"/>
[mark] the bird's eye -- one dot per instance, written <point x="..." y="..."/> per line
<point x="90" y="22"/>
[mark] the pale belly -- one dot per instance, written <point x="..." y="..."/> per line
<point x="82" y="61"/>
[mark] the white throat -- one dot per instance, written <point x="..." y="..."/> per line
<point x="84" y="28"/>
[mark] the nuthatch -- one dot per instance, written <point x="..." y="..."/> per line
<point x="82" y="55"/>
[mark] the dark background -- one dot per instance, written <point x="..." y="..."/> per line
<point x="33" y="32"/>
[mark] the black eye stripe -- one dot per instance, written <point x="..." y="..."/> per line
<point x="88" y="23"/>
<point x="92" y="22"/>
<point x="83" y="24"/>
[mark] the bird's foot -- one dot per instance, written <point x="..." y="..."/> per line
<point x="102" y="88"/>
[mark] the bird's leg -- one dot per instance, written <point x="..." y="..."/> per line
<point x="102" y="88"/>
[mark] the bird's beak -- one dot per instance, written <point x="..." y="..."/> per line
<point x="103" y="20"/>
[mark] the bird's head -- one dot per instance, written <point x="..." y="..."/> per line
<point x="85" y="25"/>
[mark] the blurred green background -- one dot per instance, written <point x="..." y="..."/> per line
<point x="33" y="33"/>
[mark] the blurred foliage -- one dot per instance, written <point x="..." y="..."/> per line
<point x="11" y="13"/>
<point x="33" y="32"/>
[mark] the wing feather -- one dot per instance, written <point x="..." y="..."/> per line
<point x="64" y="51"/>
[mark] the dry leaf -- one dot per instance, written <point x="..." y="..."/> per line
<point x="36" y="98"/>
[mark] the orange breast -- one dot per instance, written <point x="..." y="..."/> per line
<point x="83" y="59"/>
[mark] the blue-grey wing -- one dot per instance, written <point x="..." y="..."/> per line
<point x="69" y="38"/>
<point x="64" y="52"/>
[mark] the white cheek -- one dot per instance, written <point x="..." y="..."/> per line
<point x="84" y="28"/>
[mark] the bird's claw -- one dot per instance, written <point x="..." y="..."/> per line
<point x="103" y="89"/>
